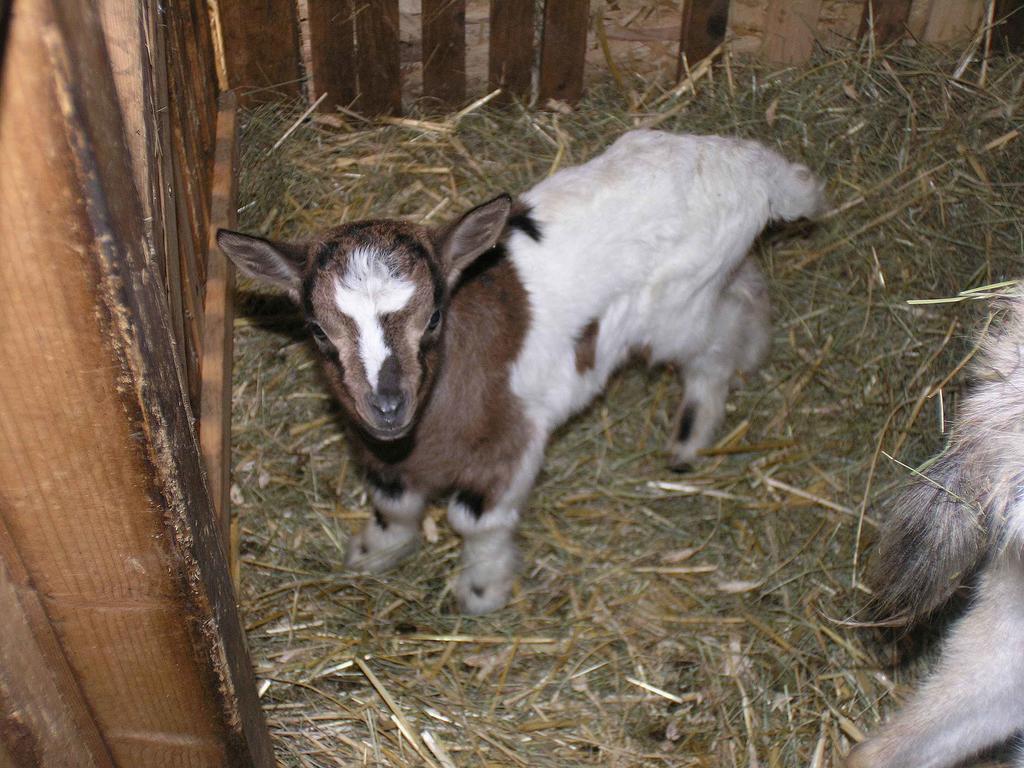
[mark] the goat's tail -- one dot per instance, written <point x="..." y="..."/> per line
<point x="968" y="504"/>
<point x="795" y="192"/>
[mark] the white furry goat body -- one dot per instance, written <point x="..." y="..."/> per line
<point x="456" y="352"/>
<point x="964" y="512"/>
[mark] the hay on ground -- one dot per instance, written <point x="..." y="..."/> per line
<point x="660" y="620"/>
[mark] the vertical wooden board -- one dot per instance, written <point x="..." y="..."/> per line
<point x="44" y="718"/>
<point x="444" y="51"/>
<point x="703" y="28"/>
<point x="890" y="19"/>
<point x="261" y="48"/>
<point x="839" y="22"/>
<point x="563" y="50"/>
<point x="333" y="48"/>
<point x="102" y="488"/>
<point x="510" y="56"/>
<point x="1009" y="31"/>
<point x="789" y="34"/>
<point x="122" y="28"/>
<point x="950" y="22"/>
<point x="215" y="419"/>
<point x="377" y="62"/>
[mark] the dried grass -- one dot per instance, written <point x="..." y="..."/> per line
<point x="661" y="620"/>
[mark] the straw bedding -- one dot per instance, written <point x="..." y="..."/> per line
<point x="661" y="619"/>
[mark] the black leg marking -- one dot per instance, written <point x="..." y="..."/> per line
<point x="522" y="219"/>
<point x="389" y="489"/>
<point x="689" y="415"/>
<point x="472" y="501"/>
<point x="478" y="591"/>
<point x="380" y="519"/>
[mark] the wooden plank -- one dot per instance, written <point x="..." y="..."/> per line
<point x="953" y="22"/>
<point x="377" y="63"/>
<point x="888" y="18"/>
<point x="510" y="57"/>
<point x="563" y="50"/>
<point x="215" y="419"/>
<point x="44" y="718"/>
<point x="704" y="23"/>
<point x="333" y="46"/>
<point x="104" y="498"/>
<point x="261" y="49"/>
<point x="790" y="26"/>
<point x="1009" y="31"/>
<point x="444" y="51"/>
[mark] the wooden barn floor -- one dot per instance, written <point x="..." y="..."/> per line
<point x="660" y="619"/>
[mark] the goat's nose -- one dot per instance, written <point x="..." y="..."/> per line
<point x="387" y="404"/>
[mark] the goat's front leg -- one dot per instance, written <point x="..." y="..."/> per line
<point x="392" y="533"/>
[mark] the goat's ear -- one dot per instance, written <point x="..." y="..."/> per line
<point x="476" y="232"/>
<point x="276" y="263"/>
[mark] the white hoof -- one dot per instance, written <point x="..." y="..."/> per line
<point x="376" y="549"/>
<point x="485" y="583"/>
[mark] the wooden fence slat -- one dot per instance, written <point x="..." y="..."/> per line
<point x="889" y="18"/>
<point x="563" y="50"/>
<point x="1010" y="32"/>
<point x="790" y="26"/>
<point x="332" y="40"/>
<point x="703" y="29"/>
<point x="510" y="57"/>
<point x="444" y="51"/>
<point x="377" y="62"/>
<point x="949" y="21"/>
<point x="121" y="549"/>
<point x="261" y="48"/>
<point x="215" y="421"/>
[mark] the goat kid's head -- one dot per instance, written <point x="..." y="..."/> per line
<point x="375" y="295"/>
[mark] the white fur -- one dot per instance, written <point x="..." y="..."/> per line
<point x="644" y="238"/>
<point x="376" y="549"/>
<point x="368" y="290"/>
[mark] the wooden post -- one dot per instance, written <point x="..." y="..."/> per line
<point x="444" y="51"/>
<point x="889" y="18"/>
<point x="510" y="57"/>
<point x="1009" y="29"/>
<point x="261" y="48"/>
<point x="332" y="41"/>
<point x="104" y="510"/>
<point x="219" y="312"/>
<point x="703" y="29"/>
<point x="789" y="30"/>
<point x="377" y="62"/>
<point x="563" y="50"/>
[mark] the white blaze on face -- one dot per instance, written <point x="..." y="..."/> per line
<point x="368" y="290"/>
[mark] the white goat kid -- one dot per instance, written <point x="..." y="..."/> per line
<point x="964" y="513"/>
<point x="457" y="352"/>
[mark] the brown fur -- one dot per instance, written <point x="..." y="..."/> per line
<point x="586" y="347"/>
<point x="471" y="431"/>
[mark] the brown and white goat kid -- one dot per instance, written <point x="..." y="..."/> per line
<point x="964" y="512"/>
<point x="457" y="352"/>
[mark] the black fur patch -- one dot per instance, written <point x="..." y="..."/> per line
<point x="389" y="489"/>
<point x="524" y="222"/>
<point x="381" y="521"/>
<point x="472" y="501"/>
<point x="686" y="421"/>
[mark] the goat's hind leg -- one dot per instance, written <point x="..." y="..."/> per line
<point x="738" y="343"/>
<point x="975" y="698"/>
<point x="392" y="533"/>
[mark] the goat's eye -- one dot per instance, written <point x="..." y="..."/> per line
<point x="318" y="335"/>
<point x="434" y="320"/>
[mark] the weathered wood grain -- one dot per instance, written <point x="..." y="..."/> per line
<point x="703" y="28"/>
<point x="377" y="62"/>
<point x="333" y="52"/>
<point x="790" y="27"/>
<point x="563" y="50"/>
<point x="261" y="48"/>
<point x="888" y="18"/>
<point x="444" y="51"/>
<point x="510" y="57"/>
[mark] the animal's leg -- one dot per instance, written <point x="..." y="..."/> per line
<point x="701" y="412"/>
<point x="739" y="335"/>
<point x="490" y="557"/>
<point x="392" y="533"/>
<point x="975" y="699"/>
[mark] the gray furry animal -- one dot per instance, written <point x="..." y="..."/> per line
<point x="963" y="514"/>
